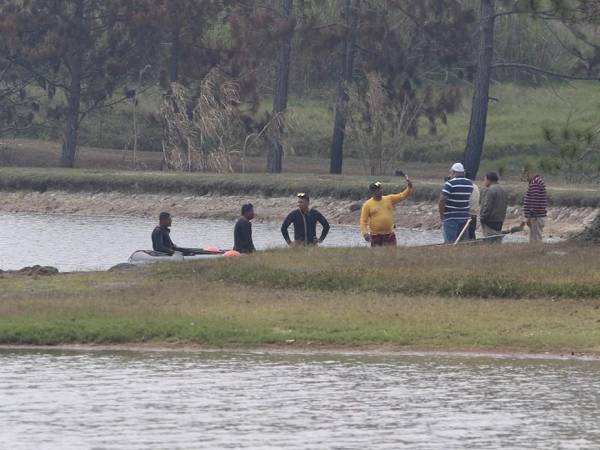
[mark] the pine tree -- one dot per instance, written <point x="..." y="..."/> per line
<point x="412" y="46"/>
<point x="84" y="49"/>
<point x="281" y="88"/>
<point x="17" y="105"/>
<point x="573" y="14"/>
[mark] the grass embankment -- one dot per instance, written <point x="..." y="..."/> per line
<point x="342" y="187"/>
<point x="488" y="298"/>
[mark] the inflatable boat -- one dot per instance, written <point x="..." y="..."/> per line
<point x="150" y="256"/>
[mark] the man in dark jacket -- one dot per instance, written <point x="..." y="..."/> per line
<point x="161" y="239"/>
<point x="305" y="224"/>
<point x="242" y="233"/>
<point x="493" y="207"/>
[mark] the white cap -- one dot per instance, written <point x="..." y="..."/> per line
<point x="458" y="167"/>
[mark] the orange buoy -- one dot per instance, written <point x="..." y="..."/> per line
<point x="231" y="253"/>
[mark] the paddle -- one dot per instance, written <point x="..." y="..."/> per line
<point x="511" y="230"/>
<point x="464" y="230"/>
<point x="400" y="173"/>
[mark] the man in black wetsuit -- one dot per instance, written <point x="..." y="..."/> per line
<point x="242" y="233"/>
<point x="161" y="239"/>
<point x="305" y="224"/>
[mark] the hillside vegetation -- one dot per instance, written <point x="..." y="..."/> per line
<point x="514" y="133"/>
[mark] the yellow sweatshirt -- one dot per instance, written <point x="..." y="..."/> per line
<point x="376" y="215"/>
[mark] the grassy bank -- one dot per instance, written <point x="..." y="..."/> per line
<point x="342" y="187"/>
<point x="526" y="299"/>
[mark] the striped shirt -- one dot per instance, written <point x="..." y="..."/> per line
<point x="458" y="192"/>
<point x="535" y="203"/>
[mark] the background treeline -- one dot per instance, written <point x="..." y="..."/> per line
<point x="203" y="81"/>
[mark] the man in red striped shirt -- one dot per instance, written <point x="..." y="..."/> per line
<point x="535" y="206"/>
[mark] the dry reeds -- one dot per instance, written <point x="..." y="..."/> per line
<point x="201" y="131"/>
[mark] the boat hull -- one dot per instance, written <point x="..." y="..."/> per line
<point x="150" y="257"/>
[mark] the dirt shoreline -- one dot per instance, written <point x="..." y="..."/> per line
<point x="562" y="221"/>
<point x="305" y="349"/>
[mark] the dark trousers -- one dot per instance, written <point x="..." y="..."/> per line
<point x="383" y="240"/>
<point x="471" y="236"/>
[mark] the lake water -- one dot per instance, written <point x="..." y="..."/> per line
<point x="73" y="243"/>
<point x="154" y="400"/>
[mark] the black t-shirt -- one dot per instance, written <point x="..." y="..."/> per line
<point x="161" y="241"/>
<point x="242" y="236"/>
<point x="305" y="226"/>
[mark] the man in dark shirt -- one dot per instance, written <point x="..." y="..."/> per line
<point x="305" y="224"/>
<point x="494" y="203"/>
<point x="161" y="239"/>
<point x="242" y="233"/>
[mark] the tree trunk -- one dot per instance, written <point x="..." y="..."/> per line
<point x="275" y="156"/>
<point x="344" y="80"/>
<point x="174" y="55"/>
<point x="71" y="131"/>
<point x="479" y="109"/>
<point x="280" y="94"/>
<point x="69" y="146"/>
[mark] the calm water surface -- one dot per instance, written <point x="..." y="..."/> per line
<point x="96" y="243"/>
<point x="71" y="400"/>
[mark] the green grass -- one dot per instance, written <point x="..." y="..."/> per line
<point x="354" y="297"/>
<point x="342" y="187"/>
<point x="514" y="131"/>
<point x="468" y="271"/>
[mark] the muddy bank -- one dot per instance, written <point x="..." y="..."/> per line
<point x="498" y="352"/>
<point x="32" y="271"/>
<point x="562" y="221"/>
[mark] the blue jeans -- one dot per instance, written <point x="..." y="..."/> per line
<point x="452" y="229"/>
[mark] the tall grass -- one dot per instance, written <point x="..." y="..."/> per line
<point x="484" y="271"/>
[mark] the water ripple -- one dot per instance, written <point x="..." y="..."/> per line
<point x="67" y="400"/>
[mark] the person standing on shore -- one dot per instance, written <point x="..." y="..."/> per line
<point x="305" y="222"/>
<point x="242" y="233"/>
<point x="376" y="216"/>
<point x="454" y="203"/>
<point x="535" y="206"/>
<point x="474" y="210"/>
<point x="494" y="203"/>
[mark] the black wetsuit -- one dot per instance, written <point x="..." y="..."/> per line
<point x="305" y="226"/>
<point x="242" y="236"/>
<point x="161" y="241"/>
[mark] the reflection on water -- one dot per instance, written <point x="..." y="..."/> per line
<point x="69" y="400"/>
<point x="95" y="243"/>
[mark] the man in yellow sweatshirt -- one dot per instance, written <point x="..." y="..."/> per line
<point x="376" y="219"/>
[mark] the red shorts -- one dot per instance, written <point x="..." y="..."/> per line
<point x="383" y="240"/>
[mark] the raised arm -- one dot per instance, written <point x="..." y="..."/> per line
<point x="397" y="198"/>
